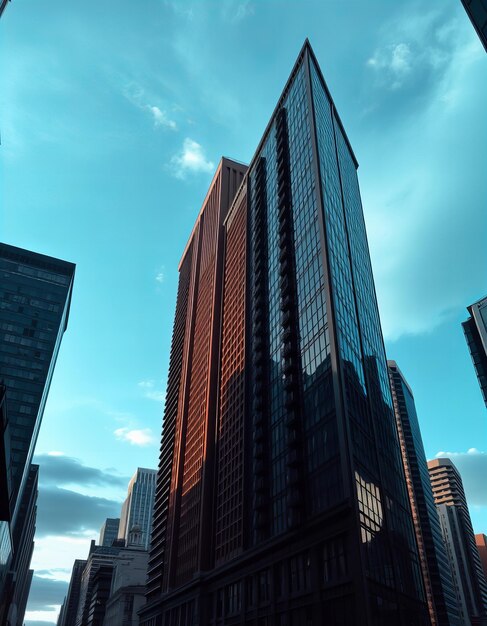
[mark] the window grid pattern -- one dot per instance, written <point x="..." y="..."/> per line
<point x="229" y="503"/>
<point x="189" y="522"/>
<point x="157" y="561"/>
<point x="33" y="312"/>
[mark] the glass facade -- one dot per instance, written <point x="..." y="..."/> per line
<point x="138" y="507"/>
<point x="311" y="521"/>
<point x="35" y="294"/>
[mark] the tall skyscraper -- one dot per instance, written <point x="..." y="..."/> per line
<point x="475" y="329"/>
<point x="477" y="12"/>
<point x="109" y="531"/>
<point x="435" y="566"/>
<point x="281" y="496"/>
<point x="139" y="505"/>
<point x="35" y="296"/>
<point x="71" y="601"/>
<point x="459" y="537"/>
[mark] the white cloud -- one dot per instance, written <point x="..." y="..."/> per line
<point x="191" y="159"/>
<point x="136" y="437"/>
<point x="161" y="275"/>
<point x="146" y="384"/>
<point x="161" y="118"/>
<point x="235" y="11"/>
<point x="396" y="60"/>
<point x="47" y="617"/>
<point x="55" y="453"/>
<point x="150" y="390"/>
<point x="141" y="98"/>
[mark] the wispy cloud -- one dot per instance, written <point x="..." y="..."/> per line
<point x="136" y="437"/>
<point x="425" y="146"/>
<point x="396" y="60"/>
<point x="161" y="275"/>
<point x="235" y="11"/>
<point x="152" y="391"/>
<point x="143" y="100"/>
<point x="190" y="160"/>
<point x="161" y="118"/>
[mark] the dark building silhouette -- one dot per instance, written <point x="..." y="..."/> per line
<point x="435" y="566"/>
<point x="20" y="576"/>
<point x="477" y="12"/>
<point x="109" y="531"/>
<point x="99" y="556"/>
<point x="281" y="497"/>
<point x="71" y="602"/>
<point x="459" y="538"/>
<point x="5" y="511"/>
<point x="475" y="329"/>
<point x="100" y="593"/>
<point x="35" y="296"/>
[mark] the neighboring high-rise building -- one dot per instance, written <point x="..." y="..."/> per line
<point x="100" y="593"/>
<point x="139" y="505"/>
<point x="435" y="566"/>
<point x="475" y="329"/>
<point x="459" y="537"/>
<point x="71" y="602"/>
<point x="477" y="12"/>
<point x="481" y="543"/>
<point x="99" y="556"/>
<point x="109" y="531"/>
<point x="23" y="542"/>
<point x="35" y="296"/>
<point x="281" y="496"/>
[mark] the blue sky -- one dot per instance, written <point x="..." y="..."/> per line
<point x="113" y="117"/>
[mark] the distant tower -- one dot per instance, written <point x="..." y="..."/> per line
<point x="435" y="566"/>
<point x="475" y="329"/>
<point x="139" y="505"/>
<point x="109" y="531"/>
<point x="459" y="537"/>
